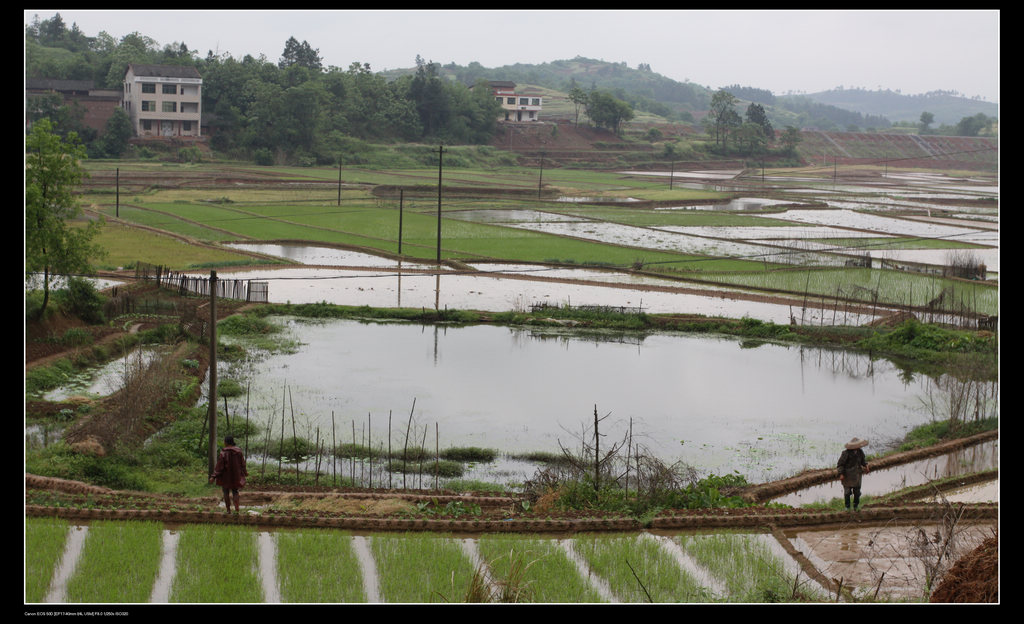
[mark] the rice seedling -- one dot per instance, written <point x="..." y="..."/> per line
<point x="119" y="563"/>
<point x="44" y="544"/>
<point x="419" y="568"/>
<point x="749" y="569"/>
<point x="539" y="564"/>
<point x="318" y="566"/>
<point x="217" y="564"/>
<point x="638" y="569"/>
<point x="872" y="286"/>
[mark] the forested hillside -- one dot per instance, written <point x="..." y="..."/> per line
<point x="295" y="109"/>
<point x="946" y="107"/>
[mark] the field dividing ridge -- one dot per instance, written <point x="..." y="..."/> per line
<point x="68" y="562"/>
<point x="165" y="577"/>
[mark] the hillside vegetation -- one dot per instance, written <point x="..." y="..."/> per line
<point x="297" y="111"/>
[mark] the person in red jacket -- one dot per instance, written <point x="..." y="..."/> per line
<point x="230" y="472"/>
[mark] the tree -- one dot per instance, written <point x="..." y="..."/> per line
<point x="926" y="120"/>
<point x="578" y="97"/>
<point x="753" y="136"/>
<point x="133" y="48"/>
<point x="301" y="54"/>
<point x="52" y="171"/>
<point x="723" y="115"/>
<point x="790" y="139"/>
<point x="607" y="111"/>
<point x="431" y="99"/>
<point x="972" y="126"/>
<point x="756" y="115"/>
<point x="114" y="140"/>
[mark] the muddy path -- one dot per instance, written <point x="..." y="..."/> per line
<point x="767" y="491"/>
<point x="384" y="510"/>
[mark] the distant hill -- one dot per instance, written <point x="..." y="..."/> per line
<point x="647" y="91"/>
<point x="948" y="107"/>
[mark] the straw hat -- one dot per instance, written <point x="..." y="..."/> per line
<point x="856" y="443"/>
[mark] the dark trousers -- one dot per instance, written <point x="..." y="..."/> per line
<point x="855" y="491"/>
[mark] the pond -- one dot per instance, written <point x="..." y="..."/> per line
<point x="766" y="411"/>
<point x="103" y="380"/>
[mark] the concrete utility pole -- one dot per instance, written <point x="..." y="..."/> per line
<point x="401" y="207"/>
<point x="212" y="407"/>
<point x="440" y="159"/>
<point x="540" y="181"/>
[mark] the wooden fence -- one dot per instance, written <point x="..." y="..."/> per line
<point x="244" y="290"/>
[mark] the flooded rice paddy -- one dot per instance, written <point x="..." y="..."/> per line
<point x="358" y="279"/>
<point x="765" y="411"/>
<point x="887" y="563"/>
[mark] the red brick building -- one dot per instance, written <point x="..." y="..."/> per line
<point x="94" y="106"/>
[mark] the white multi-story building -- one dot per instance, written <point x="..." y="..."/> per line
<point x="515" y="106"/>
<point x="163" y="100"/>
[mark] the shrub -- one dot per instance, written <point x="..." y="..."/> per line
<point x="41" y="379"/>
<point x="469" y="454"/>
<point x="76" y="337"/>
<point x="293" y="448"/>
<point x="190" y="154"/>
<point x="112" y="473"/>
<point x="81" y="299"/>
<point x="229" y="388"/>
<point x="263" y="156"/>
<point x="246" y="325"/>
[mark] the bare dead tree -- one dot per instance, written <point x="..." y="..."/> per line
<point x="589" y="459"/>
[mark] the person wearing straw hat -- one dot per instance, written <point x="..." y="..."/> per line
<point x="851" y="465"/>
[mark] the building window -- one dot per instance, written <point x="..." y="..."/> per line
<point x="170" y="107"/>
<point x="148" y="106"/>
<point x="510" y="100"/>
<point x="149" y="87"/>
<point x="186" y="126"/>
<point x="524" y="101"/>
<point x="169" y="89"/>
<point x="536" y="102"/>
<point x="147" y="125"/>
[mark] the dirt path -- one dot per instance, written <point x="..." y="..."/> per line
<point x="82" y="502"/>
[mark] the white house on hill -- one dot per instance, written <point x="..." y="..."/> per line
<point x="515" y="106"/>
<point x="163" y="100"/>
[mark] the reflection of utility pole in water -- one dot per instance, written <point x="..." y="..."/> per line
<point x="399" y="283"/>
<point x="435" y="343"/>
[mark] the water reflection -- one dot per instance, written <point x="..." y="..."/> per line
<point x="106" y="379"/>
<point x="496" y="292"/>
<point x="977" y="458"/>
<point x="766" y="412"/>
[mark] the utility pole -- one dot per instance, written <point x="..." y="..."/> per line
<point x="540" y="182"/>
<point x="671" y="175"/>
<point x="339" y="180"/>
<point x="117" y="192"/>
<point x="401" y="202"/>
<point x="212" y="406"/>
<point x="440" y="160"/>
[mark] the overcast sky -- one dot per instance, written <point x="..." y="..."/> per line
<point x="914" y="51"/>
